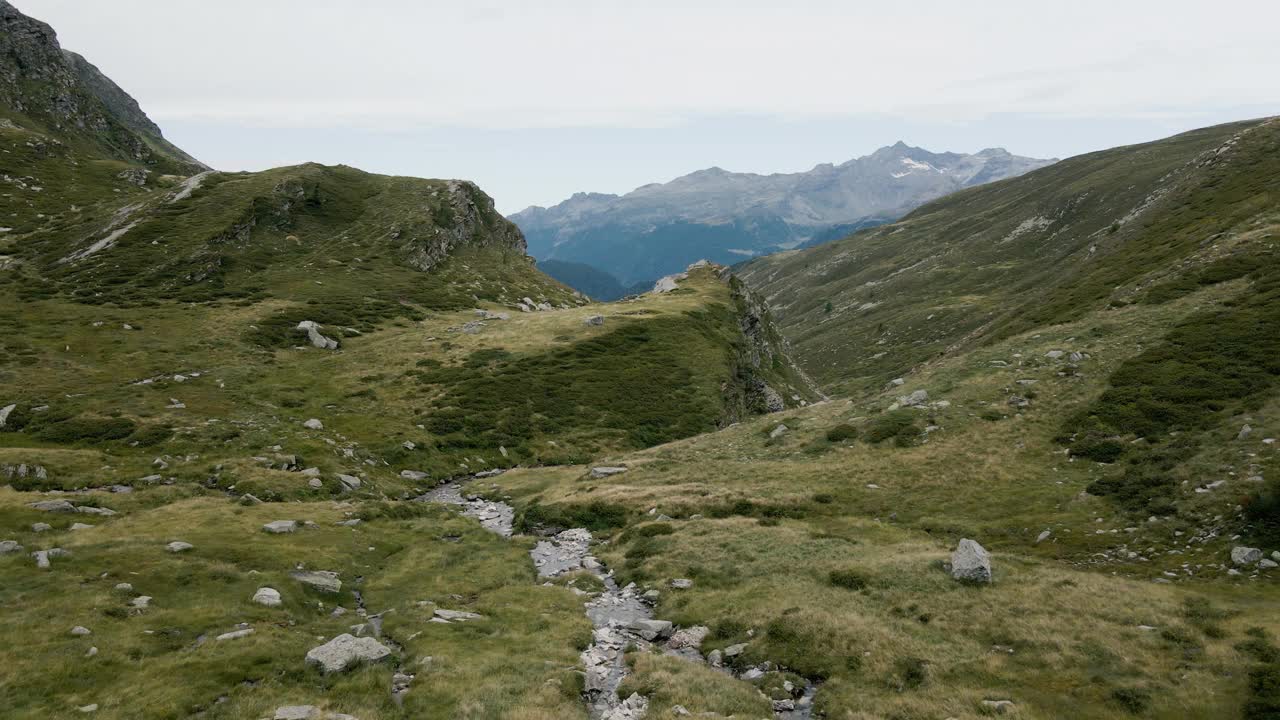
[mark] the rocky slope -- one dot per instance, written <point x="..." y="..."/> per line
<point x="59" y="94"/>
<point x="728" y="217"/>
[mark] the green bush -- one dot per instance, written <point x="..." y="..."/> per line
<point x="1132" y="700"/>
<point x="152" y="435"/>
<point x="596" y="516"/>
<point x="899" y="426"/>
<point x="848" y="579"/>
<point x="842" y="432"/>
<point x="1264" y="693"/>
<point x="87" y="429"/>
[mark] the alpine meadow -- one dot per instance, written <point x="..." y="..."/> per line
<point x="920" y="436"/>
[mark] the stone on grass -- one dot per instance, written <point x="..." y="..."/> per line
<point x="81" y="526"/>
<point x="124" y="587"/>
<point x="312" y="329"/>
<point x="81" y="630"/>
<point x="178" y="546"/>
<point x="44" y="556"/>
<point x="605" y="471"/>
<point x="296" y="712"/>
<point x="56" y="506"/>
<point x="970" y="562"/>
<point x="735" y="650"/>
<point x="414" y="475"/>
<point x="267" y="596"/>
<point x="919" y="397"/>
<point x="142" y="602"/>
<point x="313" y="424"/>
<point x="1043" y="536"/>
<point x="315" y="483"/>
<point x="778" y="432"/>
<point x="235" y="634"/>
<point x="636" y="706"/>
<point x="594" y="320"/>
<point x="9" y="546"/>
<point x="90" y="510"/>
<point x="322" y="580"/>
<point x="346" y="651"/>
<point x="682" y="583"/>
<point x="457" y="615"/>
<point x="349" y="482"/>
<point x="1241" y="555"/>
<point x="1267" y="564"/>
<point x="41" y="527"/>
<point x="277" y="527"/>
<point x="91" y="707"/>
<point x="999" y="707"/>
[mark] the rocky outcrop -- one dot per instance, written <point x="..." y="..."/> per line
<point x="464" y="216"/>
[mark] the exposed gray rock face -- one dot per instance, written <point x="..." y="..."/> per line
<point x="605" y="471"/>
<point x="475" y="222"/>
<point x="690" y="637"/>
<point x="346" y="651"/>
<point x="322" y="580"/>
<point x="970" y="562"/>
<point x="651" y="629"/>
<point x="235" y="634"/>
<point x="5" y="412"/>
<point x="349" y="482"/>
<point x="267" y="596"/>
<point x="456" y="615"/>
<point x="312" y="329"/>
<point x="919" y="397"/>
<point x="757" y="214"/>
<point x="634" y="707"/>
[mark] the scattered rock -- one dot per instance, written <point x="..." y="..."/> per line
<point x="278" y="527"/>
<point x="322" y="580"/>
<point x="633" y="708"/>
<point x="457" y="615"/>
<point x="92" y="707"/>
<point x="970" y="562"/>
<point x="1244" y="433"/>
<point x="1241" y="555"/>
<point x="690" y="637"/>
<point x="7" y="409"/>
<point x="593" y="320"/>
<point x="267" y="596"/>
<point x="317" y="339"/>
<point x="778" y="431"/>
<point x="81" y="630"/>
<point x="41" y="527"/>
<point x="124" y="587"/>
<point x="297" y="712"/>
<point x="44" y="556"/>
<point x="349" y="482"/>
<point x="682" y="583"/>
<point x="313" y="424"/>
<point x="414" y="475"/>
<point x="1043" y="536"/>
<point x="142" y="602"/>
<point x="999" y="707"/>
<point x="235" y="634"/>
<point x="315" y="483"/>
<point x="9" y="546"/>
<point x="345" y="651"/>
<point x="735" y="650"/>
<point x="178" y="546"/>
<point x="919" y="397"/>
<point x="90" y="510"/>
<point x="1054" y="354"/>
<point x="606" y="471"/>
<point x="1268" y="564"/>
<point x="55" y="506"/>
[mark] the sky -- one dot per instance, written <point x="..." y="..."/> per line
<point x="537" y="100"/>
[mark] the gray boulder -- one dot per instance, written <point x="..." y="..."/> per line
<point x="349" y="482"/>
<point x="317" y="339"/>
<point x="178" y="546"/>
<point x="594" y="320"/>
<point x="970" y="562"/>
<point x="322" y="580"/>
<point x="277" y="527"/>
<point x="650" y="629"/>
<point x="267" y="596"/>
<point x="346" y="651"/>
<point x="605" y="471"/>
<point x="778" y="432"/>
<point x="1241" y="555"/>
<point x="4" y="413"/>
<point x="919" y="397"/>
<point x="9" y="546"/>
<point x="313" y="424"/>
<point x="690" y="637"/>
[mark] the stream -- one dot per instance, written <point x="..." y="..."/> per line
<point x="620" y="616"/>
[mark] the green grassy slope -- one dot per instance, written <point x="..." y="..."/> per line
<point x="1081" y="235"/>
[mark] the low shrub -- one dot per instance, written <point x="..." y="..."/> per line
<point x="842" y="432"/>
<point x="899" y="426"/>
<point x="848" y="579"/>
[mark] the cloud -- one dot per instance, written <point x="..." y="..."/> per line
<point x="600" y="63"/>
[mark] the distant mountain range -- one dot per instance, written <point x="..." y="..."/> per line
<point x="729" y="217"/>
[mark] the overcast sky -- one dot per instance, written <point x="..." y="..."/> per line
<point x="537" y="100"/>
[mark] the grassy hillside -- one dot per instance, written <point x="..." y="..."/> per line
<point x="822" y="547"/>
<point x="1085" y="234"/>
